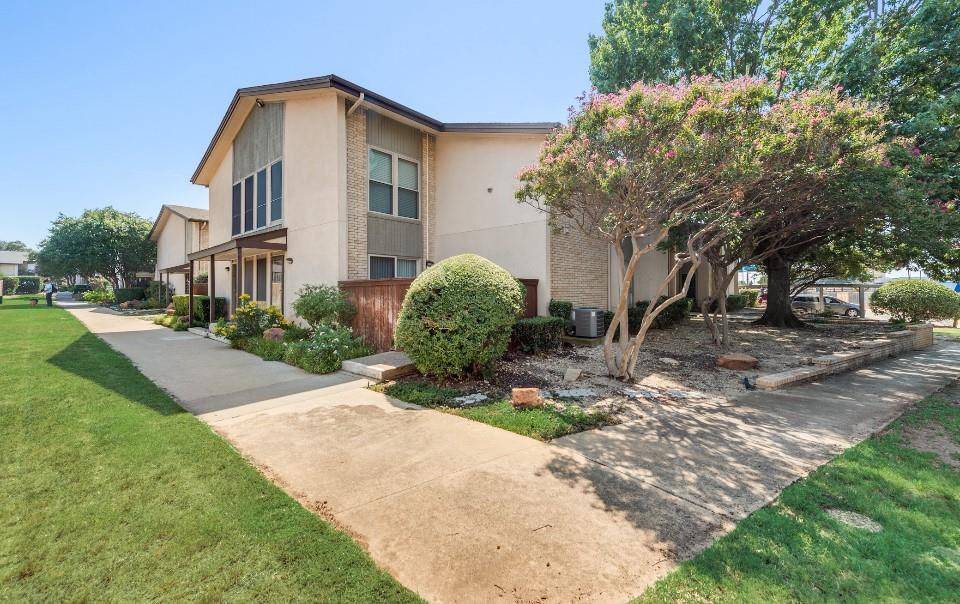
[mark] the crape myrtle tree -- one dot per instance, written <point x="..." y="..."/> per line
<point x="631" y="165"/>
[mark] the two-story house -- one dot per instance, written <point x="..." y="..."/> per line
<point x="177" y="231"/>
<point x="320" y="180"/>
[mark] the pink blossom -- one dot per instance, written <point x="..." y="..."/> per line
<point x="915" y="151"/>
<point x="671" y="154"/>
<point x="611" y="163"/>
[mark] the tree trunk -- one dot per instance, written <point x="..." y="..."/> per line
<point x="778" y="312"/>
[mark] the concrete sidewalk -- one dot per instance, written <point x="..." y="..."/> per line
<point x="462" y="512"/>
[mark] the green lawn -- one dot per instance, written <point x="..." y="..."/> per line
<point x="792" y="551"/>
<point x="109" y="492"/>
<point x="542" y="423"/>
<point x="952" y="332"/>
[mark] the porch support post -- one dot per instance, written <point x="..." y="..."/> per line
<point x="190" y="287"/>
<point x="212" y="289"/>
<point x="239" y="277"/>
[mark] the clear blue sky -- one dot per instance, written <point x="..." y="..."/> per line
<point x="113" y="103"/>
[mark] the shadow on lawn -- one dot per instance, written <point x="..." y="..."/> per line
<point x="91" y="359"/>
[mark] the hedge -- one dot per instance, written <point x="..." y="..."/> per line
<point x="80" y="289"/>
<point x="201" y="307"/>
<point x="538" y="334"/>
<point x="125" y="294"/>
<point x="752" y="296"/>
<point x="916" y="300"/>
<point x="25" y="284"/>
<point x="736" y="302"/>
<point x="560" y="308"/>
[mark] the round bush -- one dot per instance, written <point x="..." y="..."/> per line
<point x="457" y="316"/>
<point x="915" y="300"/>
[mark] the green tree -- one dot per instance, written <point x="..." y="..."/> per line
<point x="103" y="242"/>
<point x="14" y="246"/>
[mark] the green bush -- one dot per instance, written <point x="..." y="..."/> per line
<point x="158" y="290"/>
<point x="326" y="350"/>
<point x="201" y="308"/>
<point x="538" y="334"/>
<point x="458" y="315"/>
<point x="319" y="304"/>
<point x="80" y="289"/>
<point x="251" y="319"/>
<point x="25" y="284"/>
<point x="915" y="300"/>
<point x="125" y="294"/>
<point x="10" y="285"/>
<point x="268" y="350"/>
<point x="560" y="308"/>
<point x="736" y="302"/>
<point x="752" y="296"/>
<point x="98" y="296"/>
<point x="295" y="333"/>
<point x="670" y="316"/>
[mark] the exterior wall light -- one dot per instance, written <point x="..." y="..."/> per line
<point x="289" y="260"/>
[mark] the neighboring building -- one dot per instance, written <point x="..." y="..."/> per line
<point x="177" y="231"/>
<point x="320" y="181"/>
<point x="13" y="264"/>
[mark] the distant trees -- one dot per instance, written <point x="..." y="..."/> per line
<point x="104" y="242"/>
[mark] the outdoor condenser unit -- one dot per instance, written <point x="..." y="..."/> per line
<point x="588" y="322"/>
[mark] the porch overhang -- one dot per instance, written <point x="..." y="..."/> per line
<point x="180" y="268"/>
<point x="265" y="240"/>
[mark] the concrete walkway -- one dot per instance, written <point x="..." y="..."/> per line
<point x="462" y="512"/>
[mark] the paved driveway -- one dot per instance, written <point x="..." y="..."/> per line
<point x="462" y="512"/>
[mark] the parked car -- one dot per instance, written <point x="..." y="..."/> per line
<point x="809" y="304"/>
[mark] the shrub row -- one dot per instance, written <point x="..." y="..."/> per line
<point x="22" y="285"/>
<point x="916" y="300"/>
<point x="538" y="334"/>
<point x="125" y="294"/>
<point x="201" y="307"/>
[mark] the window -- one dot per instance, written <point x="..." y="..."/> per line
<point x="397" y="197"/>
<point x="261" y="279"/>
<point x="381" y="182"/>
<point x="248" y="204"/>
<point x="389" y="267"/>
<point x="262" y="198"/>
<point x="236" y="209"/>
<point x="276" y="191"/>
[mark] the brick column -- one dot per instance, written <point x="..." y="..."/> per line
<point x="357" y="267"/>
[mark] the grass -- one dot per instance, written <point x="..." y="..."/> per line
<point x="950" y="332"/>
<point x="542" y="423"/>
<point x="792" y="551"/>
<point x="110" y="492"/>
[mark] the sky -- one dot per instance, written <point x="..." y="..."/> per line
<point x="113" y="103"/>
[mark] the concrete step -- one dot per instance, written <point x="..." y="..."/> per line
<point x="382" y="366"/>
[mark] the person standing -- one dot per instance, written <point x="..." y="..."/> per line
<point x="48" y="290"/>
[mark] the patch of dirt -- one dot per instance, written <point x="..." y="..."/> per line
<point x="934" y="438"/>
<point x="855" y="520"/>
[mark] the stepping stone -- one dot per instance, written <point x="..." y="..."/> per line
<point x="572" y="374"/>
<point x="470" y="399"/>
<point x="381" y="366"/>
<point x="641" y="393"/>
<point x="574" y="393"/>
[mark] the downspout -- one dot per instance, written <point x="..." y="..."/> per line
<point x="355" y="105"/>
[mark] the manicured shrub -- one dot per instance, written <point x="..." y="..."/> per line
<point x="736" y="302"/>
<point x="915" y="300"/>
<point x="158" y="290"/>
<point x="10" y="285"/>
<point x="560" y="308"/>
<point x="295" y="333"/>
<point x="538" y="334"/>
<point x="201" y="308"/>
<point x="319" y="304"/>
<point x="670" y="316"/>
<point x="27" y="285"/>
<point x="98" y="296"/>
<point x="326" y="350"/>
<point x="458" y="315"/>
<point x="752" y="296"/>
<point x="125" y="294"/>
<point x="80" y="289"/>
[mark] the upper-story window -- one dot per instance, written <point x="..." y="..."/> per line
<point x="397" y="196"/>
<point x="258" y="199"/>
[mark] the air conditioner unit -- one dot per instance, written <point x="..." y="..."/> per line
<point x="588" y="322"/>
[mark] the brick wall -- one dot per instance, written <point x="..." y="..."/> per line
<point x="428" y="195"/>
<point x="579" y="267"/>
<point x="357" y="195"/>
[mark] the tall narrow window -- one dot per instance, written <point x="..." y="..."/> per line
<point x="276" y="191"/>
<point x="248" y="204"/>
<point x="406" y="267"/>
<point x="262" y="198"/>
<point x="408" y="186"/>
<point x="236" y="210"/>
<point x="381" y="182"/>
<point x="261" y="279"/>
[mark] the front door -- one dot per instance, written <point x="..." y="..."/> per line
<point x="276" y="281"/>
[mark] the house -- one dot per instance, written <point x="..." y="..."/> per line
<point x="13" y="264"/>
<point x="177" y="231"/>
<point x="321" y="181"/>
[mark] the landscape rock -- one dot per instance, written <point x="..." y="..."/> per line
<point x="470" y="399"/>
<point x="669" y="361"/>
<point x="572" y="374"/>
<point x="575" y="393"/>
<point x="274" y="334"/>
<point x="641" y="393"/>
<point x="524" y="398"/>
<point x="737" y="361"/>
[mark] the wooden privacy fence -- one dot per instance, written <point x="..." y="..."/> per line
<point x="378" y="305"/>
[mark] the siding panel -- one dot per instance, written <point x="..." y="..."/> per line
<point x="393" y="136"/>
<point x="394" y="237"/>
<point x="260" y="140"/>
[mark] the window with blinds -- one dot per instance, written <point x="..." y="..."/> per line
<point x="257" y="199"/>
<point x="397" y="196"/>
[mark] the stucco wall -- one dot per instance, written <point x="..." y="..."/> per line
<point x="315" y="212"/>
<point x="219" y="200"/>
<point x="9" y="270"/>
<point x="469" y="218"/>
<point x="171" y="250"/>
